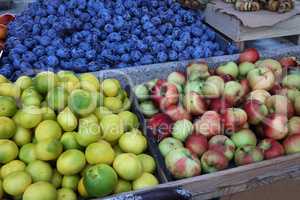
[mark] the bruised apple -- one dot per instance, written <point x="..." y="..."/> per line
<point x="275" y="126"/>
<point x="261" y="79"/>
<point x="271" y="148"/>
<point x="234" y="119"/>
<point x="247" y="155"/>
<point x="212" y="161"/>
<point x="197" y="144"/>
<point x="209" y="124"/>
<point x="256" y="111"/>
<point x="222" y="144"/>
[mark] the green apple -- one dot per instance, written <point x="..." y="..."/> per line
<point x="142" y="92"/>
<point x="24" y="82"/>
<point x="292" y="81"/>
<point x="45" y="81"/>
<point x="246" y="67"/>
<point x="243" y="138"/>
<point x="10" y="90"/>
<point x="182" y="129"/>
<point x="230" y="68"/>
<point x="130" y="120"/>
<point x="169" y="144"/>
<point x="148" y="163"/>
<point x="213" y="87"/>
<point x="196" y="71"/>
<point x="194" y="86"/>
<point x="148" y="108"/>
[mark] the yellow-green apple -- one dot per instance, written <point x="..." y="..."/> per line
<point x="233" y="92"/>
<point x="275" y="126"/>
<point x="273" y="65"/>
<point x="148" y="108"/>
<point x="219" y="105"/>
<point x="292" y="144"/>
<point x="197" y="70"/>
<point x="229" y="68"/>
<point x="194" y="86"/>
<point x="182" y="129"/>
<point x="260" y="95"/>
<point x="168" y="144"/>
<point x="271" y="148"/>
<point x="177" y="78"/>
<point x="182" y="163"/>
<point x="280" y="105"/>
<point x="294" y="125"/>
<point x="292" y="81"/>
<point x="290" y="93"/>
<point x="222" y="144"/>
<point x="213" y="87"/>
<point x="177" y="112"/>
<point x="243" y="138"/>
<point x="212" y="161"/>
<point x="249" y="55"/>
<point x="194" y="103"/>
<point x="209" y="124"/>
<point x="247" y="155"/>
<point x="297" y="104"/>
<point x="246" y="67"/>
<point x="142" y="92"/>
<point x="261" y="79"/>
<point x="160" y="125"/>
<point x="256" y="111"/>
<point x="197" y="144"/>
<point x="233" y="119"/>
<point x="150" y="84"/>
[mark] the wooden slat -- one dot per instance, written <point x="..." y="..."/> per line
<point x="241" y="178"/>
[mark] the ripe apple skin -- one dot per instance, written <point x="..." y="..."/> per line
<point x="182" y="164"/>
<point x="219" y="105"/>
<point x="292" y="144"/>
<point x="273" y="65"/>
<point x="222" y="144"/>
<point x="182" y="129"/>
<point x="166" y="95"/>
<point x="229" y="68"/>
<point x="168" y="144"/>
<point x="246" y="67"/>
<point x="155" y="92"/>
<point x="275" y="126"/>
<point x="177" y="112"/>
<point x="249" y="55"/>
<point x="288" y="62"/>
<point x="271" y="148"/>
<point x="247" y="155"/>
<point x="197" y="144"/>
<point x="194" y="86"/>
<point x="194" y="103"/>
<point x="260" y="95"/>
<point x="233" y="119"/>
<point x="261" y="79"/>
<point x="291" y="81"/>
<point x="197" y="70"/>
<point x="294" y="125"/>
<point x="213" y="87"/>
<point x="290" y="93"/>
<point x="212" y="161"/>
<point x="209" y="124"/>
<point x="280" y="105"/>
<point x="177" y="78"/>
<point x="243" y="138"/>
<point x="246" y="86"/>
<point x="233" y="92"/>
<point x="161" y="126"/>
<point x="256" y="111"/>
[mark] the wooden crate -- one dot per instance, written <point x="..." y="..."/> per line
<point x="235" y="30"/>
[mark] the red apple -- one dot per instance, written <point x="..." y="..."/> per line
<point x="276" y="89"/>
<point x="182" y="164"/>
<point x="275" y="126"/>
<point x="260" y="95"/>
<point x="261" y="79"/>
<point x="219" y="105"/>
<point x="271" y="148"/>
<point x="247" y="155"/>
<point x="256" y="111"/>
<point x="194" y="103"/>
<point x="197" y="144"/>
<point x="292" y="144"/>
<point x="160" y="125"/>
<point x="233" y="120"/>
<point x="233" y="92"/>
<point x="155" y="91"/>
<point x="288" y="62"/>
<point x="222" y="144"/>
<point x="229" y="68"/>
<point x="280" y="105"/>
<point x="249" y="55"/>
<point x="177" y="112"/>
<point x="212" y="161"/>
<point x="7" y="18"/>
<point x="209" y="124"/>
<point x="246" y="86"/>
<point x="294" y="125"/>
<point x="165" y="94"/>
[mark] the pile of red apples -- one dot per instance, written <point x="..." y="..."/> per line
<point x="241" y="112"/>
